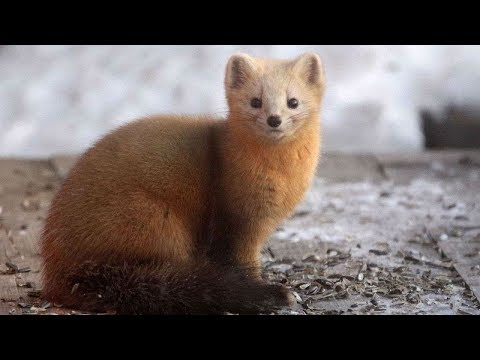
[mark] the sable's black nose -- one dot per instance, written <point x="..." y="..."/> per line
<point x="274" y="121"/>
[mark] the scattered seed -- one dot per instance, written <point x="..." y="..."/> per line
<point x="385" y="194"/>
<point x="46" y="305"/>
<point x="395" y="291"/>
<point x="304" y="286"/>
<point x="270" y="252"/>
<point x="325" y="282"/>
<point x="378" y="252"/>
<point x="74" y="288"/>
<point x="297" y="297"/>
<point x="281" y="268"/>
<point x="341" y="295"/>
<point x="331" y="252"/>
<point x="335" y="277"/>
<point x="449" y="206"/>
<point x="326" y="294"/>
<point x="301" y="213"/>
<point x="12" y="266"/>
<point x="35" y="309"/>
<point x="456" y="233"/>
<point x="35" y="293"/>
<point x="424" y="260"/>
<point x="311" y="258"/>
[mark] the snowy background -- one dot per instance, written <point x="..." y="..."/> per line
<point x="59" y="99"/>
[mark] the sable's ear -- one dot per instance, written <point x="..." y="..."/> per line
<point x="310" y="66"/>
<point x="239" y="68"/>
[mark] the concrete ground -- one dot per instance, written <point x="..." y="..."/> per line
<point x="390" y="234"/>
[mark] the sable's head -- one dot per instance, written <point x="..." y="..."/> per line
<point x="274" y="97"/>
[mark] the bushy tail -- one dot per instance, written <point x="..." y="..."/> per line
<point x="202" y="288"/>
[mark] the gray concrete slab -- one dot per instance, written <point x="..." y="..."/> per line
<point x="374" y="235"/>
<point x="338" y="167"/>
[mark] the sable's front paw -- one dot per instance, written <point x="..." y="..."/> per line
<point x="281" y="296"/>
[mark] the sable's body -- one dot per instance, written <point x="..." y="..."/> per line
<point x="261" y="184"/>
<point x="168" y="196"/>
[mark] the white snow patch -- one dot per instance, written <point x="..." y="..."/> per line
<point x="62" y="98"/>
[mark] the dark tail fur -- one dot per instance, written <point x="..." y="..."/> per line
<point x="202" y="288"/>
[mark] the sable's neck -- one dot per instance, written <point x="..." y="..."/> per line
<point x="242" y="139"/>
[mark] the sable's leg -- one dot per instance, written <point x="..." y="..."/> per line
<point x="236" y="240"/>
<point x="247" y="251"/>
<point x="240" y="242"/>
<point x="250" y="253"/>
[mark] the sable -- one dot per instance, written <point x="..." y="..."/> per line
<point x="168" y="214"/>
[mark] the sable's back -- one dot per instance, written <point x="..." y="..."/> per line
<point x="166" y="157"/>
<point x="154" y="151"/>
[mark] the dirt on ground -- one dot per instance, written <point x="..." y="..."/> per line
<point x="397" y="234"/>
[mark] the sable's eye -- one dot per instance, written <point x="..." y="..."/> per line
<point x="292" y="103"/>
<point x="256" y="103"/>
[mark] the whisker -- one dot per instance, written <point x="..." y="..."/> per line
<point x="304" y="114"/>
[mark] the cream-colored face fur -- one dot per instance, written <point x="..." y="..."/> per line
<point x="291" y="91"/>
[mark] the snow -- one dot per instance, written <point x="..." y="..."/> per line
<point x="59" y="99"/>
<point x="346" y="211"/>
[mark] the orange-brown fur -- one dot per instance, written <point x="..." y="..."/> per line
<point x="176" y="188"/>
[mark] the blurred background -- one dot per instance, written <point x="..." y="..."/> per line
<point x="379" y="99"/>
